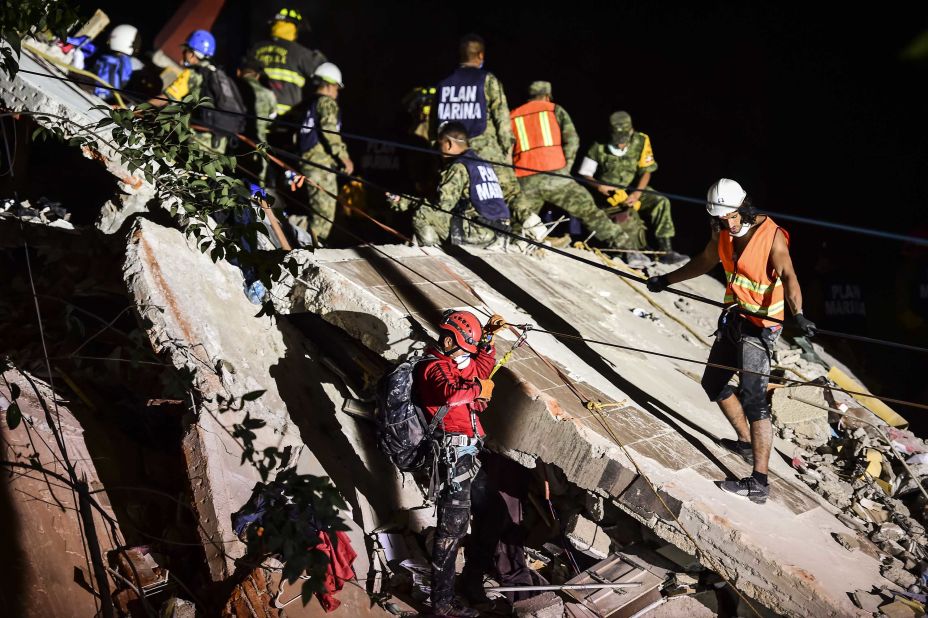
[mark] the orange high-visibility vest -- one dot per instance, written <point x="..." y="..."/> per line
<point x="750" y="283"/>
<point x="538" y="139"/>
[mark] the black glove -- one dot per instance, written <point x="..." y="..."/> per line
<point x="658" y="283"/>
<point x="806" y="325"/>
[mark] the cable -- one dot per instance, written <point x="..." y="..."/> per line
<point x="351" y="136"/>
<point x="621" y="273"/>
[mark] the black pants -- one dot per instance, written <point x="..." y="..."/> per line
<point x="494" y="497"/>
<point x="745" y="346"/>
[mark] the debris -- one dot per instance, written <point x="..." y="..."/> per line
<point x="810" y="423"/>
<point x="867" y="601"/>
<point x="687" y="562"/>
<point x="546" y="605"/>
<point x="898" y="609"/>
<point x="847" y="541"/>
<point x="617" y="569"/>
<point x="874" y="405"/>
<point x="895" y="572"/>
<point x="587" y="537"/>
<point x="641" y="313"/>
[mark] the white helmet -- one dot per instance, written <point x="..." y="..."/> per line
<point x="122" y="39"/>
<point x="724" y="198"/>
<point x="330" y="73"/>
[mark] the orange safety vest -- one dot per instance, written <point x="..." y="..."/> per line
<point x="538" y="139"/>
<point x="750" y="284"/>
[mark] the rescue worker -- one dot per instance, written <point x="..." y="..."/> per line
<point x="468" y="187"/>
<point x="474" y="97"/>
<point x="754" y="251"/>
<point x="627" y="159"/>
<point x="459" y="380"/>
<point x="546" y="141"/>
<point x="287" y="64"/>
<point x="260" y="103"/>
<point x="116" y="66"/>
<point x="322" y="148"/>
<point x="197" y="54"/>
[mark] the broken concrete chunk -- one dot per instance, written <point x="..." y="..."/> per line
<point x="587" y="537"/>
<point x="895" y="572"/>
<point x="688" y="562"/>
<point x="847" y="541"/>
<point x="867" y="601"/>
<point x="898" y="609"/>
<point x="809" y="422"/>
<point x="545" y="605"/>
<point x="889" y="532"/>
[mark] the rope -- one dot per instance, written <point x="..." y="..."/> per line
<point x="866" y="231"/>
<point x="601" y="266"/>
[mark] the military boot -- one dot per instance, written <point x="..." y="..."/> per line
<point x="670" y="256"/>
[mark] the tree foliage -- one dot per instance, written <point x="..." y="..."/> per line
<point x="20" y="18"/>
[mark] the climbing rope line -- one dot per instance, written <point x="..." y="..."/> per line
<point x="602" y="266"/>
<point x="595" y="406"/>
<point x="866" y="231"/>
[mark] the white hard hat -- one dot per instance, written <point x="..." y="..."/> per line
<point x="122" y="39"/>
<point x="724" y="198"/>
<point x="328" y="72"/>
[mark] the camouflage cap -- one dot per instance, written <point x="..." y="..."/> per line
<point x="620" y="121"/>
<point x="536" y="89"/>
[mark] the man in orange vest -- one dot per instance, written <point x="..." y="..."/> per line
<point x="761" y="281"/>
<point x="546" y="141"/>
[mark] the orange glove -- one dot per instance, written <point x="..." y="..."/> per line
<point x="486" y="388"/>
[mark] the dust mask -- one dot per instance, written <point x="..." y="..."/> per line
<point x="462" y="361"/>
<point x="617" y="151"/>
<point x="744" y="230"/>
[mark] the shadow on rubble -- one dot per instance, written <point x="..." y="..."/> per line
<point x="551" y="320"/>
<point x="12" y="585"/>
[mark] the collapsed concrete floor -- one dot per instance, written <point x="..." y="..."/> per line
<point x="343" y="318"/>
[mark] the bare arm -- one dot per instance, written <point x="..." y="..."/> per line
<point x="700" y="264"/>
<point x="783" y="265"/>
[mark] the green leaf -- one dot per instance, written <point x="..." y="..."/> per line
<point x="13" y="416"/>
<point x="14" y="391"/>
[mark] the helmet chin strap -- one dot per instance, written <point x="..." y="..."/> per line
<point x="744" y="230"/>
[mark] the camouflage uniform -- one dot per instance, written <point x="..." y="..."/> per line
<point x="433" y="225"/>
<point x="622" y="170"/>
<point x="190" y="82"/>
<point x="567" y="194"/>
<point x="329" y="152"/>
<point x="265" y="106"/>
<point x="495" y="143"/>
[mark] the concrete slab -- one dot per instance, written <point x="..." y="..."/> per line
<point x="780" y="553"/>
<point x="46" y="561"/>
<point x="204" y="324"/>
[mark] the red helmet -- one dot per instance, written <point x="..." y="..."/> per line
<point x="464" y="327"/>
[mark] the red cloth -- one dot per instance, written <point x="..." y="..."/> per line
<point x="440" y="383"/>
<point x="341" y="556"/>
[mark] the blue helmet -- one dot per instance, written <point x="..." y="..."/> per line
<point x="202" y="42"/>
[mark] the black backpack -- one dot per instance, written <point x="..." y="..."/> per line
<point x="402" y="431"/>
<point x="225" y="95"/>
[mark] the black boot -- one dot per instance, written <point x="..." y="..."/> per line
<point x="454" y="608"/>
<point x="670" y="256"/>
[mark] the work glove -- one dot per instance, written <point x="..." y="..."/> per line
<point x="658" y="283"/>
<point x="806" y="325"/>
<point x="295" y="180"/>
<point x="486" y="388"/>
<point x="494" y="324"/>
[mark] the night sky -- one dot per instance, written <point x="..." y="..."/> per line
<point x="811" y="108"/>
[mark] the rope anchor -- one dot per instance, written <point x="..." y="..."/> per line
<point x="508" y="355"/>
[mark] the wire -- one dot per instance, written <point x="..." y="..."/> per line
<point x="601" y="266"/>
<point x="352" y="136"/>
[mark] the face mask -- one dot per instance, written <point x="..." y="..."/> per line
<point x="744" y="230"/>
<point x="617" y="151"/>
<point x="462" y="361"/>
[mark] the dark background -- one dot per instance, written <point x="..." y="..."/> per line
<point x="812" y="108"/>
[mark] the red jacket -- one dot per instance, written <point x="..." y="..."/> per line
<point x="440" y="382"/>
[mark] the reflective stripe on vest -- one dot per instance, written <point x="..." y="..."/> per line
<point x="285" y="75"/>
<point x="749" y="284"/>
<point x="538" y="139"/>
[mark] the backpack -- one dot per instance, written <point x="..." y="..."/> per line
<point x="402" y="431"/>
<point x="219" y="87"/>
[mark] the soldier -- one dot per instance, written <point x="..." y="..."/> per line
<point x="474" y="97"/>
<point x="546" y="141"/>
<point x="629" y="156"/>
<point x="323" y="150"/>
<point x="287" y="64"/>
<point x="469" y="187"/>
<point x="261" y="102"/>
